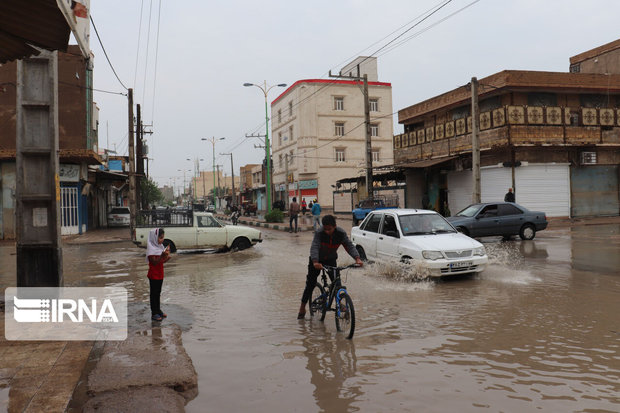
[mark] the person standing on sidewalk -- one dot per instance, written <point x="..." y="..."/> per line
<point x="156" y="256"/>
<point x="510" y="196"/>
<point x="293" y="212"/>
<point x="316" y="215"/>
<point x="304" y="206"/>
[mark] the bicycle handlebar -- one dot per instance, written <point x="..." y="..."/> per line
<point x="328" y="267"/>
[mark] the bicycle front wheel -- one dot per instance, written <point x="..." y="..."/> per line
<point x="345" y="315"/>
<point x="317" y="300"/>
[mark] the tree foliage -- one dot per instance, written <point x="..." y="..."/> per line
<point x="150" y="193"/>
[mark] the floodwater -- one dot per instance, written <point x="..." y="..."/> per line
<point x="537" y="331"/>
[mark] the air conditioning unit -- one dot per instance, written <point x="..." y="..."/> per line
<point x="588" y="158"/>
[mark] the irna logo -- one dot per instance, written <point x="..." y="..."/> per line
<point x="28" y="310"/>
<point x="65" y="313"/>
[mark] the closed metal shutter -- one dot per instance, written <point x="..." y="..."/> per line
<point x="544" y="188"/>
<point x="594" y="190"/>
<point x="495" y="182"/>
<point x="460" y="187"/>
<point x="342" y="202"/>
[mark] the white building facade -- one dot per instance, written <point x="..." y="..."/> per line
<point x="318" y="125"/>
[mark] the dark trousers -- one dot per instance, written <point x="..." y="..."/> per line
<point x="155" y="294"/>
<point x="290" y="222"/>
<point x="312" y="276"/>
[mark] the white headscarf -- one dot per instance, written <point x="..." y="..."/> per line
<point x="153" y="247"/>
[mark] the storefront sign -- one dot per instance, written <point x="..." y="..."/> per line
<point x="310" y="184"/>
<point x="69" y="172"/>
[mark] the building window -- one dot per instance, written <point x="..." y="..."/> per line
<point x="374" y="129"/>
<point x="338" y="103"/>
<point x="279" y="115"/>
<point x="339" y="154"/>
<point x="542" y="99"/>
<point x="290" y="133"/>
<point x="339" y="129"/>
<point x="280" y="138"/>
<point x="290" y="157"/>
<point x="375" y="155"/>
<point x="374" y="105"/>
<point x="281" y="163"/>
<point x="290" y="108"/>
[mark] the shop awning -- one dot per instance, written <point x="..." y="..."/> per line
<point x="426" y="162"/>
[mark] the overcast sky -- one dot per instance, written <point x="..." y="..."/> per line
<point x="208" y="49"/>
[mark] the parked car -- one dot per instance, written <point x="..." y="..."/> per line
<point x="364" y="208"/>
<point x="499" y="219"/>
<point x="118" y="217"/>
<point x="210" y="208"/>
<point x="249" y="208"/>
<point x="200" y="230"/>
<point x="422" y="236"/>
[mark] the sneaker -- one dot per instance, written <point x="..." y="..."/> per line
<point x="164" y="315"/>
<point x="156" y="317"/>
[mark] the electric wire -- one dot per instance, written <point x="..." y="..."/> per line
<point x="148" y="41"/>
<point x="135" y="76"/>
<point x="155" y="67"/>
<point x="90" y="88"/>
<point x="105" y="53"/>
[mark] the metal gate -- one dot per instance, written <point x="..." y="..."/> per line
<point x="594" y="190"/>
<point x="69" y="212"/>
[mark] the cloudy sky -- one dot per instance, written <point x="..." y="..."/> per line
<point x="188" y="71"/>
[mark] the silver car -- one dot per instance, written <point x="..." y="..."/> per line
<point x="118" y="217"/>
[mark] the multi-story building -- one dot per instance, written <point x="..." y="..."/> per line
<point x="318" y="127"/>
<point x="552" y="136"/>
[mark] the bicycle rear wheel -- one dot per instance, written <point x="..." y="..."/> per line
<point x="317" y="300"/>
<point x="345" y="315"/>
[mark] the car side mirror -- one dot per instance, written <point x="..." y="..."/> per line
<point x="392" y="234"/>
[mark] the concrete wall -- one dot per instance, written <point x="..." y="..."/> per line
<point x="7" y="201"/>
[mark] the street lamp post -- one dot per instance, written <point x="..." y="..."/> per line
<point x="212" y="140"/>
<point x="266" y="90"/>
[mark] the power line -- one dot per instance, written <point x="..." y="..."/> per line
<point x="148" y="41"/>
<point x="155" y="68"/>
<point x="427" y="28"/>
<point x="91" y="88"/>
<point x="105" y="53"/>
<point x="135" y="76"/>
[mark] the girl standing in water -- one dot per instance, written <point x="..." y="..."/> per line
<point x="156" y="256"/>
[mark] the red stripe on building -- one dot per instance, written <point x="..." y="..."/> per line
<point x="335" y="82"/>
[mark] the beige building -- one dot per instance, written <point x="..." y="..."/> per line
<point x="203" y="184"/>
<point x="318" y="125"/>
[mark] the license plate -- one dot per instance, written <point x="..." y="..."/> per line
<point x="461" y="264"/>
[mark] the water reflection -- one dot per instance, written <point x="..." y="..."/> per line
<point x="331" y="362"/>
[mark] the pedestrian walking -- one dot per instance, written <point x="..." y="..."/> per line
<point x="316" y="215"/>
<point x="510" y="196"/>
<point x="156" y="256"/>
<point x="304" y="206"/>
<point x="293" y="212"/>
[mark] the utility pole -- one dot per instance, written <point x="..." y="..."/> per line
<point x="232" y="169"/>
<point x="286" y="181"/>
<point x="139" y="157"/>
<point x="218" y="182"/>
<point x="475" y="140"/>
<point x="132" y="166"/>
<point x="364" y="79"/>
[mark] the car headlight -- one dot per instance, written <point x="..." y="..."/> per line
<point x="432" y="255"/>
<point x="480" y="251"/>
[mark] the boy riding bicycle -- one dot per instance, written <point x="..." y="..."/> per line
<point x="323" y="251"/>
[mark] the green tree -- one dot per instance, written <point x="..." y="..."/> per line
<point x="150" y="193"/>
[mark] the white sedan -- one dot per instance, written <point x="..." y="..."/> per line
<point x="421" y="237"/>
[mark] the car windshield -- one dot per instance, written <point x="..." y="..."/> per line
<point x="470" y="211"/>
<point x="424" y="224"/>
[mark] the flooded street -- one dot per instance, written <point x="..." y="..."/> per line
<point x="538" y="330"/>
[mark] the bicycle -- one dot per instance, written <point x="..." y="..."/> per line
<point x="324" y="295"/>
